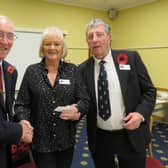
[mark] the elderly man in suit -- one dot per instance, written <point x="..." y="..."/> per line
<point x="122" y="100"/>
<point x="10" y="132"/>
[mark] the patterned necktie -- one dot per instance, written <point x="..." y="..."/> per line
<point x="1" y="87"/>
<point x="103" y="93"/>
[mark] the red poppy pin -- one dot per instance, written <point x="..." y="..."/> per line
<point x="122" y="58"/>
<point x="10" y="69"/>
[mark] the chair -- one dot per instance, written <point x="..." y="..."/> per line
<point x="150" y="128"/>
<point x="22" y="156"/>
<point x="19" y="152"/>
<point x="152" y="162"/>
<point x="28" y="165"/>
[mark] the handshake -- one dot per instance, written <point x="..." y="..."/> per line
<point x="27" y="131"/>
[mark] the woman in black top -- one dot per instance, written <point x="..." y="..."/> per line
<point x="45" y="86"/>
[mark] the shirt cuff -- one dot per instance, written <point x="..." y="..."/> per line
<point x="142" y="118"/>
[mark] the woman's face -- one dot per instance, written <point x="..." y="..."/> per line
<point x="52" y="48"/>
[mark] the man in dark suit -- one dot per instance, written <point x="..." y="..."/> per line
<point x="10" y="132"/>
<point x="120" y="129"/>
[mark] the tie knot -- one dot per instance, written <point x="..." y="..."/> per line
<point x="101" y="62"/>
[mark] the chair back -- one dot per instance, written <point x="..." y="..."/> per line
<point x="152" y="162"/>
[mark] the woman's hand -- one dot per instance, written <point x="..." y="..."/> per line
<point x="71" y="113"/>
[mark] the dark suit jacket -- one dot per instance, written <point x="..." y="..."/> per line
<point x="10" y="133"/>
<point x="138" y="93"/>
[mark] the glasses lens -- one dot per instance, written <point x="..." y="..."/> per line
<point x="9" y="35"/>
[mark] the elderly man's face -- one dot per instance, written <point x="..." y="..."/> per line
<point x="6" y="36"/>
<point x="98" y="41"/>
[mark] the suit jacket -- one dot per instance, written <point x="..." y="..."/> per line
<point x="138" y="92"/>
<point x="9" y="132"/>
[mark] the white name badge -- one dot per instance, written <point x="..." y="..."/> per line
<point x="64" y="81"/>
<point x="124" y="67"/>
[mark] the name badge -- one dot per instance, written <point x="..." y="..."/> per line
<point x="125" y="67"/>
<point x="64" y="82"/>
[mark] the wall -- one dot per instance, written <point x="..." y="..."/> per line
<point x="24" y="52"/>
<point x="39" y="14"/>
<point x="144" y="29"/>
<point x="141" y="28"/>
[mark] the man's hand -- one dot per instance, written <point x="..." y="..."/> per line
<point x="27" y="131"/>
<point x="132" y="121"/>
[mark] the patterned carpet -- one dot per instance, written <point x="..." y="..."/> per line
<point x="160" y="142"/>
<point x="82" y="158"/>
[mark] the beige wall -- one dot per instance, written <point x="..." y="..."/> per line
<point x="143" y="28"/>
<point x="39" y="14"/>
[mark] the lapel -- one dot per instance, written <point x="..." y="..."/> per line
<point x="123" y="75"/>
<point x="91" y="81"/>
<point x="7" y="79"/>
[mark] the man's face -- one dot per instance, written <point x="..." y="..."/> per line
<point x="6" y="37"/>
<point x="98" y="41"/>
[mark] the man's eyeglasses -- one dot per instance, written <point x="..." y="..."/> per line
<point x="9" y="35"/>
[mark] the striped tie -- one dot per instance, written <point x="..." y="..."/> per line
<point x="1" y="87"/>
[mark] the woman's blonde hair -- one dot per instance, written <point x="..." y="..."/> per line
<point x="53" y="31"/>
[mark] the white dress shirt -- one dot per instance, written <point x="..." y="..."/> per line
<point x="116" y="99"/>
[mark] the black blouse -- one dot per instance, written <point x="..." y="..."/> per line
<point x="37" y="100"/>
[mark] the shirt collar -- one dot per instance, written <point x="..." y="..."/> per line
<point x="61" y="66"/>
<point x="107" y="58"/>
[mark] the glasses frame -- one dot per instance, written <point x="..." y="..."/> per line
<point x="9" y="35"/>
